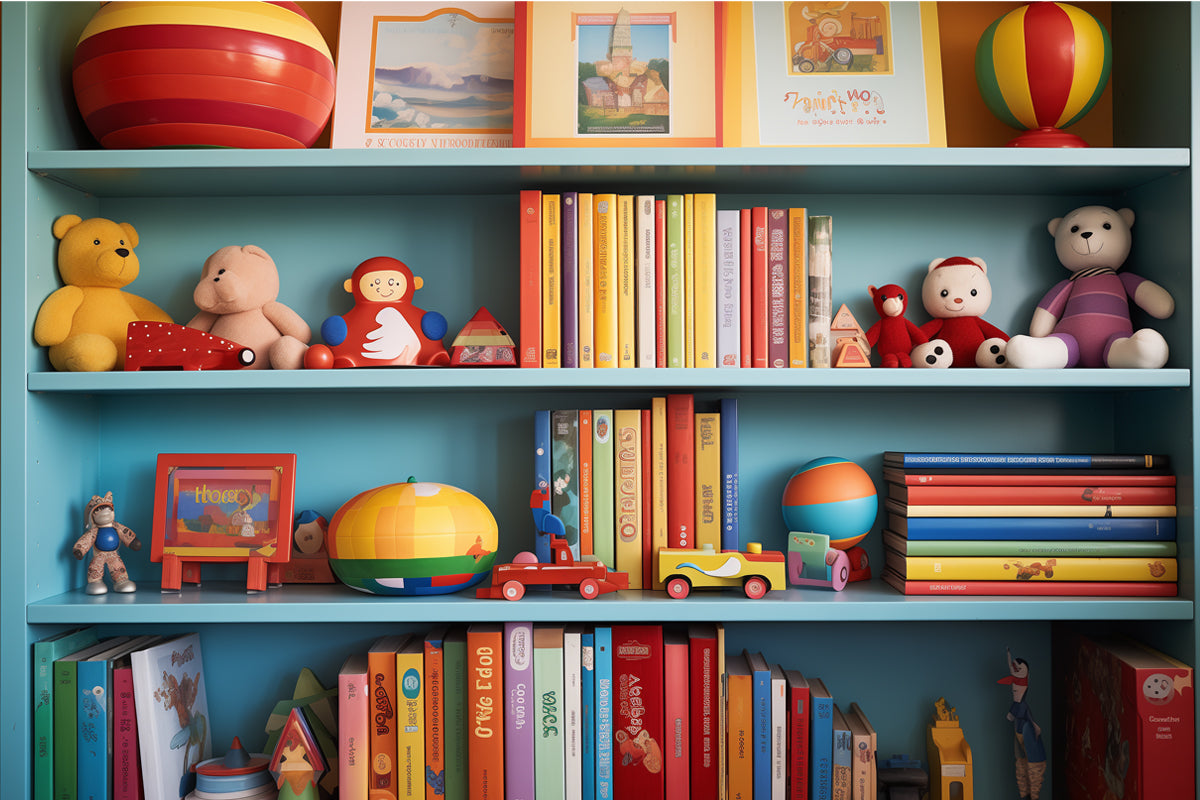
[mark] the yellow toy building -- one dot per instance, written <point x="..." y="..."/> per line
<point x="950" y="772"/>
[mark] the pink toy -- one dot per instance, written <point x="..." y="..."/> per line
<point x="236" y="297"/>
<point x="1084" y="320"/>
<point x="384" y="329"/>
<point x="894" y="336"/>
<point x="956" y="292"/>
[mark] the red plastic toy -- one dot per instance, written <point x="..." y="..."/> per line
<point x="165" y="345"/>
<point x="384" y="329"/>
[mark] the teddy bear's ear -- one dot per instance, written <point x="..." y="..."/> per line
<point x="130" y="234"/>
<point x="64" y="224"/>
<point x="255" y="250"/>
<point x="1052" y="226"/>
<point x="1127" y="215"/>
<point x="872" y="290"/>
<point x="934" y="264"/>
<point x="980" y="262"/>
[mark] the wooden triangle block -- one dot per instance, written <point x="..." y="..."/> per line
<point x="844" y="320"/>
<point x="851" y="355"/>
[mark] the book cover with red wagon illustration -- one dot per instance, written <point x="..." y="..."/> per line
<point x="637" y="678"/>
<point x="1124" y="720"/>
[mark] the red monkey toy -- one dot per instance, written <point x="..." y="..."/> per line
<point x="893" y="337"/>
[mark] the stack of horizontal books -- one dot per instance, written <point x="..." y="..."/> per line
<point x="1030" y="524"/>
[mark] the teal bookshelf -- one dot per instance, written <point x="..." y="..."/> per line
<point x="451" y="216"/>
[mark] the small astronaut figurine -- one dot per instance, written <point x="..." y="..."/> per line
<point x="104" y="537"/>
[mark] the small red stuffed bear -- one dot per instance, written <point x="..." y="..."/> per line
<point x="956" y="292"/>
<point x="893" y="337"/>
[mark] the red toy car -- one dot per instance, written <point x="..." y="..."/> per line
<point x="165" y="345"/>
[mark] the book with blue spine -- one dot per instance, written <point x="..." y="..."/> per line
<point x="604" y="711"/>
<point x="587" y="695"/>
<point x="843" y="762"/>
<point x="893" y="458"/>
<point x="520" y="711"/>
<point x="761" y="729"/>
<point x="820" y="743"/>
<point x="729" y="474"/>
<point x="541" y="474"/>
<point x="94" y="712"/>
<point x="1034" y="528"/>
<point x="66" y="716"/>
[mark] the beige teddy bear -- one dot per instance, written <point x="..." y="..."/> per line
<point x="84" y="323"/>
<point x="236" y="297"/>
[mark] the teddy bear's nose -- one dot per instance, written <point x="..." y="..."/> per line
<point x="122" y="252"/>
<point x="1086" y="234"/>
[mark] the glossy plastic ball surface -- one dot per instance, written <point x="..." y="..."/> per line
<point x="832" y="496"/>
<point x="411" y="539"/>
<point x="1043" y="66"/>
<point x="203" y="74"/>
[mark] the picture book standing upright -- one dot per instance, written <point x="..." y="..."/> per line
<point x="173" y="722"/>
<point x="637" y="659"/>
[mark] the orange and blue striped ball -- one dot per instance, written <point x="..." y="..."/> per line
<point x="1043" y="65"/>
<point x="832" y="496"/>
<point x="203" y="74"/>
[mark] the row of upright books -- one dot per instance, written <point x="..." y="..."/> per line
<point x="1034" y="524"/>
<point x="627" y="482"/>
<point x="519" y="710"/>
<point x="117" y="718"/>
<point x="616" y="280"/>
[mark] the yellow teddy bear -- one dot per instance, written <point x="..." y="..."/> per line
<point x="84" y="323"/>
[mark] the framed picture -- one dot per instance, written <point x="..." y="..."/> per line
<point x="222" y="507"/>
<point x="824" y="74"/>
<point x="616" y="74"/>
<point x="421" y="74"/>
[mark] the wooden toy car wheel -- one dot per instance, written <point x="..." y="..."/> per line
<point x="678" y="587"/>
<point x="755" y="587"/>
<point x="839" y="568"/>
<point x="513" y="590"/>
<point x="589" y="589"/>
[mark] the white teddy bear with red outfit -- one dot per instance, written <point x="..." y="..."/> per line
<point x="956" y="292"/>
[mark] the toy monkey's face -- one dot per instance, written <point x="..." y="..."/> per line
<point x="383" y="286"/>
<point x="103" y="516"/>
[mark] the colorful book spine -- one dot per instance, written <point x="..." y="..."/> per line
<point x="1002" y="568"/>
<point x="689" y="280"/>
<point x="410" y="719"/>
<point x="66" y="718"/>
<point x="455" y="661"/>
<point x="637" y="655"/>
<point x="551" y="281"/>
<point x="746" y="245"/>
<point x="820" y="289"/>
<point x="572" y="710"/>
<point x="681" y="471"/>
<point x="1025" y="460"/>
<point x="531" y="277"/>
<point x="760" y="331"/>
<point x="520" y="711"/>
<point x="1119" y="511"/>
<point x="564" y="473"/>
<point x="605" y="276"/>
<point x="1011" y="588"/>
<point x="587" y="281"/>
<point x="1083" y="495"/>
<point x="674" y="271"/>
<point x="628" y="492"/>
<point x="798" y="713"/>
<point x="799" y="297"/>
<point x="644" y="250"/>
<point x="704" y="701"/>
<point x="541" y="472"/>
<point x="708" y="480"/>
<point x="842" y="756"/>
<point x="604" y="712"/>
<point x="126" y="757"/>
<point x="1065" y="528"/>
<point x="434" y="772"/>
<point x="1023" y="477"/>
<point x="704" y="293"/>
<point x="587" y="544"/>
<point x="660" y="283"/>
<point x="626" y="282"/>
<point x="778" y="732"/>
<point x="485" y="718"/>
<point x="659" y="484"/>
<point x="676" y="753"/>
<point x="647" y="454"/>
<point x="739" y="728"/>
<point x="45" y="653"/>
<point x="587" y="698"/>
<point x="820" y="742"/>
<point x="604" y="497"/>
<point x="760" y="726"/>
<point x="354" y="722"/>
<point x="548" y="740"/>
<point x="570" y="279"/>
<point x="729" y="276"/>
<point x="862" y="755"/>
<point x="777" y="289"/>
<point x="730" y="504"/>
<point x="1025" y="548"/>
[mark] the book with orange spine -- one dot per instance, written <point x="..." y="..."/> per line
<point x="530" y="226"/>
<point x="739" y="721"/>
<point x="381" y="664"/>
<point x="797" y="290"/>
<point x="605" y="279"/>
<point x="551" y="281"/>
<point x="485" y="716"/>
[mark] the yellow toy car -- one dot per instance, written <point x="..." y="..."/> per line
<point x="755" y="571"/>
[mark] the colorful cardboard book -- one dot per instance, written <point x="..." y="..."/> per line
<point x="820" y="740"/>
<point x="605" y="275"/>
<point x="1029" y="570"/>
<point x="572" y="710"/>
<point x="644" y="274"/>
<point x="454" y="646"/>
<point x="966" y="588"/>
<point x="626" y="282"/>
<point x="570" y="279"/>
<point x="354" y="722"/>
<point x="587" y="281"/>
<point x="530" y="227"/>
<point x="739" y="727"/>
<point x="485" y="720"/>
<point x="704" y="290"/>
<point x="729" y="284"/>
<point x="45" y="653"/>
<point x="674" y="277"/>
<point x="676" y="700"/>
<point x="564" y="473"/>
<point x="638" y="731"/>
<point x="604" y="497"/>
<point x="604" y="712"/>
<point x="520" y="711"/>
<point x="549" y="736"/>
<point x="381" y="661"/>
<point x="551" y="281"/>
<point x="798" y="713"/>
<point x="681" y="470"/>
<point x="704" y="690"/>
<point x="1064" y="528"/>
<point x="175" y="734"/>
<point x="628" y="493"/>
<point x="730" y="503"/>
<point x="707" y="428"/>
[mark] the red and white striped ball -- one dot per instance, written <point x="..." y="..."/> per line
<point x="203" y="74"/>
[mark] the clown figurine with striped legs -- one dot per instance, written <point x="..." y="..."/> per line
<point x="1028" y="749"/>
<point x="104" y="537"/>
